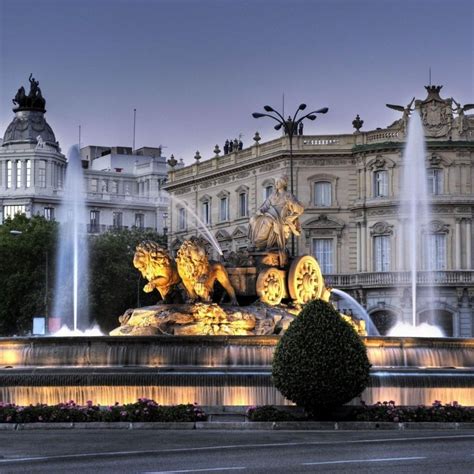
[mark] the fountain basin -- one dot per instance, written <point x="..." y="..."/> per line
<point x="217" y="370"/>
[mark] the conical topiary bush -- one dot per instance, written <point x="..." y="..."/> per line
<point x="320" y="362"/>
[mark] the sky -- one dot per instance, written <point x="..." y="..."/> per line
<point x="195" y="70"/>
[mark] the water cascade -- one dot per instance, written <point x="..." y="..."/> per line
<point x="214" y="370"/>
<point x="72" y="278"/>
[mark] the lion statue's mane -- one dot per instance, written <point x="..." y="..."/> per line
<point x="157" y="267"/>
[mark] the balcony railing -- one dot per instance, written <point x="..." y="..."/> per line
<point x="394" y="279"/>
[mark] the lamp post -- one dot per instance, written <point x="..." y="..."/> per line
<point x="290" y="127"/>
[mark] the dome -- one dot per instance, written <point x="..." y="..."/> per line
<point x="27" y="126"/>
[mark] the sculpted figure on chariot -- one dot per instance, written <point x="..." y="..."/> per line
<point x="276" y="220"/>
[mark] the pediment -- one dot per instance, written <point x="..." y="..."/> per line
<point x="239" y="232"/>
<point x="323" y="221"/>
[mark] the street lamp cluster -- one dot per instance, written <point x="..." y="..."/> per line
<point x="290" y="127"/>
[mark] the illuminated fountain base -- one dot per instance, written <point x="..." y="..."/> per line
<point x="216" y="370"/>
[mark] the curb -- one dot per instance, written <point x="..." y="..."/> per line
<point x="246" y="425"/>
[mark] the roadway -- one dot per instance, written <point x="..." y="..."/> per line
<point x="213" y="451"/>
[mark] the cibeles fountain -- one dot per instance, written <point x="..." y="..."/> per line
<point x="277" y="284"/>
<point x="210" y="338"/>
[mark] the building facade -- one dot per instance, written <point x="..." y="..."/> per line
<point x="350" y="187"/>
<point x="123" y="186"/>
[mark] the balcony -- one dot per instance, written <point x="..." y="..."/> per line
<point x="396" y="279"/>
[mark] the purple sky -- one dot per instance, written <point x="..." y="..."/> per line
<point x="195" y="70"/>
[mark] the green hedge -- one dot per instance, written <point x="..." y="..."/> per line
<point x="320" y="362"/>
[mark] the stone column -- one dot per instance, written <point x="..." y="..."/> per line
<point x="358" y="249"/>
<point x="457" y="243"/>
<point x="468" y="245"/>
<point x="364" y="247"/>
<point x="400" y="243"/>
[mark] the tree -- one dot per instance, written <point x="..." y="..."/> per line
<point x="320" y="362"/>
<point x="115" y="284"/>
<point x="27" y="250"/>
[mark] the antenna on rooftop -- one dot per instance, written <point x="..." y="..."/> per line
<point x="430" y="75"/>
<point x="134" y="127"/>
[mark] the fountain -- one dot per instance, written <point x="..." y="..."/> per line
<point x="415" y="208"/>
<point x="72" y="278"/>
<point x="165" y="355"/>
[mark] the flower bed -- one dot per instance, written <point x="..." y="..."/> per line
<point x="388" y="411"/>
<point x="142" y="410"/>
<point x="381" y="411"/>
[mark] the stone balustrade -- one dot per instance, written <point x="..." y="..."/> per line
<point x="394" y="279"/>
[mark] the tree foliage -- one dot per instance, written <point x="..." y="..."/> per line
<point x="26" y="272"/>
<point x="320" y="362"/>
<point x="115" y="284"/>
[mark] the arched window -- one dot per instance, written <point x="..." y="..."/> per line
<point x="322" y="194"/>
<point x="384" y="320"/>
<point x="439" y="317"/>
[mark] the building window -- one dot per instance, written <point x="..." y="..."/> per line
<point x="323" y="251"/>
<point x="224" y="209"/>
<point x="114" y="187"/>
<point x="140" y="221"/>
<point x="382" y="253"/>
<point x="435" y="181"/>
<point x="49" y="213"/>
<point x="9" y="174"/>
<point x="94" y="183"/>
<point x="243" y="204"/>
<point x="18" y="174"/>
<point x="117" y="220"/>
<point x="12" y="211"/>
<point x="95" y="221"/>
<point x="182" y="218"/>
<point x="60" y="176"/>
<point x="42" y="173"/>
<point x="435" y="252"/>
<point x="381" y="183"/>
<point x="267" y="191"/>
<point x="206" y="212"/>
<point x="322" y="194"/>
<point x="28" y="173"/>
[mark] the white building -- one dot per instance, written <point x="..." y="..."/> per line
<point x="123" y="185"/>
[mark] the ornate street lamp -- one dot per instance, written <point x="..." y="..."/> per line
<point x="290" y="127"/>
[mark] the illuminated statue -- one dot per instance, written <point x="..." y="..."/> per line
<point x="157" y="267"/>
<point x="198" y="274"/>
<point x="276" y="220"/>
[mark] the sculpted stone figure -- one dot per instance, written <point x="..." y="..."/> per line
<point x="157" y="267"/>
<point x="198" y="274"/>
<point x="277" y="219"/>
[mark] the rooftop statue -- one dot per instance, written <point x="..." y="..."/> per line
<point x="276" y="220"/>
<point x="33" y="101"/>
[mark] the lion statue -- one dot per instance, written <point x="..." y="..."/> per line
<point x="157" y="267"/>
<point x="198" y="274"/>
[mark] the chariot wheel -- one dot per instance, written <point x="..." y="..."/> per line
<point x="305" y="280"/>
<point x="271" y="286"/>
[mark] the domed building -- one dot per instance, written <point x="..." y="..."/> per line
<point x="123" y="185"/>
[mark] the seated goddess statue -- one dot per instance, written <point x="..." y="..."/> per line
<point x="276" y="219"/>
